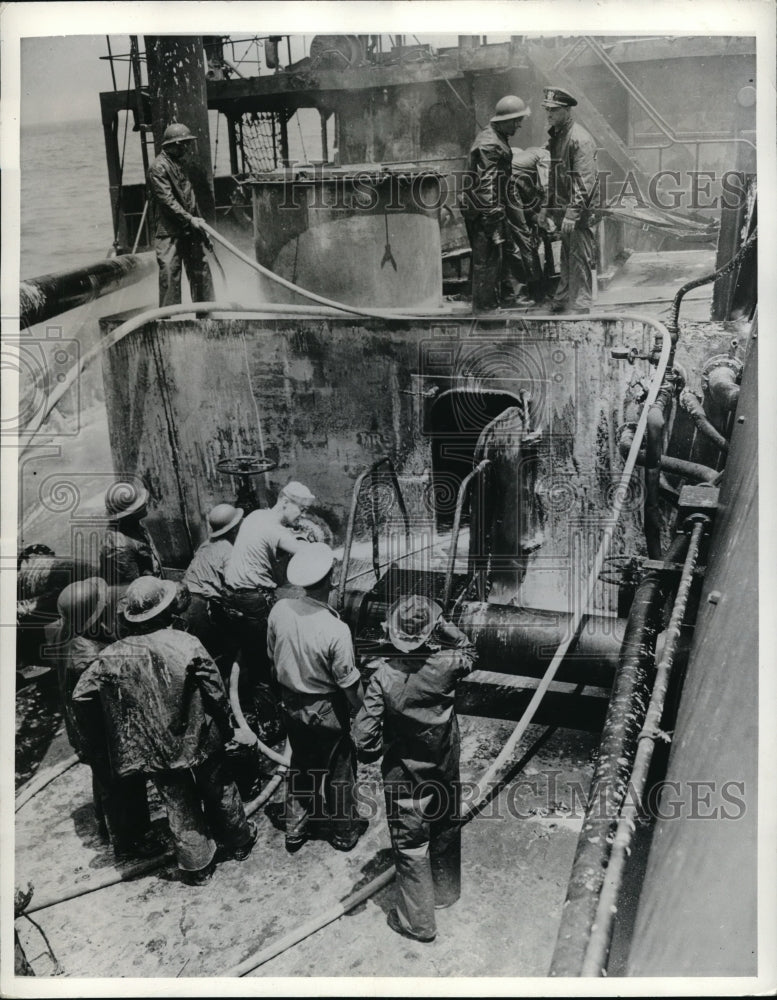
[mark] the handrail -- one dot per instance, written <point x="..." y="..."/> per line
<point x="385" y="460"/>
<point x="463" y="489"/>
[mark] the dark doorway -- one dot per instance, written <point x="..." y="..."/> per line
<point x="456" y="421"/>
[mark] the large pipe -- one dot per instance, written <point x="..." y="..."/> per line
<point x="50" y="295"/>
<point x="675" y="466"/>
<point x="519" y="641"/>
<point x="625" y="716"/>
<point x="692" y="406"/>
<point x="654" y="446"/>
<point x="598" y="948"/>
<point x="723" y="388"/>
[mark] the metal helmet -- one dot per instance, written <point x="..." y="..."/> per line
<point x="80" y="604"/>
<point x="176" y="133"/>
<point x="123" y="499"/>
<point x="222" y="518"/>
<point x="147" y="597"/>
<point x="510" y="107"/>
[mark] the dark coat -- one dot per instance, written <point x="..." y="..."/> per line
<point x="572" y="178"/>
<point x="158" y="715"/>
<point x="490" y="166"/>
<point x="409" y="705"/>
<point x="172" y="196"/>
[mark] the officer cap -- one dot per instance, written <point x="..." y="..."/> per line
<point x="556" y="97"/>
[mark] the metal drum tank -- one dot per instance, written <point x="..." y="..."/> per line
<point x="367" y="238"/>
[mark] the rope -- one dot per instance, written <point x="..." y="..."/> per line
<point x="41" y="780"/>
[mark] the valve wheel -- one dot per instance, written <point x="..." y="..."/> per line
<point x="246" y="465"/>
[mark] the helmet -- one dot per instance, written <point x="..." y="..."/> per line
<point x="176" y="133"/>
<point x="147" y="597"/>
<point x="310" y="565"/>
<point x="508" y="108"/>
<point x="411" y="621"/>
<point x="80" y="604"/>
<point x="123" y="499"/>
<point x="222" y="518"/>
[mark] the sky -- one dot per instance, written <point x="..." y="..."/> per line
<point x="62" y="76"/>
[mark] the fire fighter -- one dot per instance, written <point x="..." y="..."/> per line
<point x="178" y="233"/>
<point x="204" y="579"/>
<point x="167" y="717"/>
<point x="483" y="201"/>
<point x="253" y="573"/>
<point x="571" y="186"/>
<point x="121" y="805"/>
<point x="127" y="550"/>
<point x="408" y="715"/>
<point x="313" y="661"/>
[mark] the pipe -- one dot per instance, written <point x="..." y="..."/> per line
<point x="654" y="446"/>
<point x="42" y="779"/>
<point x="50" y="295"/>
<point x="723" y="388"/>
<point x="454" y="542"/>
<point x="625" y="715"/>
<point x="670" y="464"/>
<point x="598" y="947"/>
<point x="515" y="640"/>
<point x="692" y="405"/>
<point x="108" y="879"/>
<point x="673" y="324"/>
<point x="385" y="460"/>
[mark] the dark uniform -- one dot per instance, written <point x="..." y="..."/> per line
<point x="571" y="183"/>
<point x="120" y="804"/>
<point x="165" y="721"/>
<point x="175" y="240"/>
<point x="409" y="707"/>
<point x="483" y="209"/>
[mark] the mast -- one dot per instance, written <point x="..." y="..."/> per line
<point x="178" y="93"/>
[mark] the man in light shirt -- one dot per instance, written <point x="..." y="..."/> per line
<point x="254" y="571"/>
<point x="320" y="688"/>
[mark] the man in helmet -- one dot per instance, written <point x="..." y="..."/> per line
<point x="204" y="580"/>
<point x="408" y="716"/>
<point x="256" y="568"/>
<point x="120" y="804"/>
<point x="571" y="185"/>
<point x="167" y="717"/>
<point x="320" y="687"/>
<point x="127" y="551"/>
<point x="484" y="198"/>
<point x="178" y="233"/>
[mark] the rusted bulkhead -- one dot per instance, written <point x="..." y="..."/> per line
<point x="326" y="396"/>
<point x="368" y="238"/>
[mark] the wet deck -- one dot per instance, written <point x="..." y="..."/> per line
<point x="516" y="861"/>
